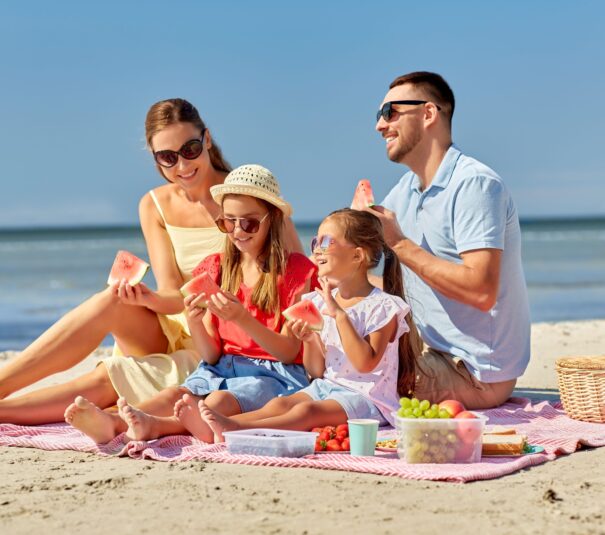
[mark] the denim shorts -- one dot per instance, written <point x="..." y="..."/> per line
<point x="353" y="403"/>
<point x="253" y="382"/>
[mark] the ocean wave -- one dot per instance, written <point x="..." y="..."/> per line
<point x="563" y="235"/>
<point x="73" y="245"/>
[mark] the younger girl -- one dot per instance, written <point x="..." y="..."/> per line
<point x="366" y="352"/>
<point x="248" y="354"/>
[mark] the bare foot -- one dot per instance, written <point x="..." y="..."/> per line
<point x="92" y="421"/>
<point x="187" y="412"/>
<point x="140" y="424"/>
<point x="216" y="422"/>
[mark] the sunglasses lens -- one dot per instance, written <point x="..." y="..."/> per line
<point x="224" y="225"/>
<point x="166" y="158"/>
<point x="249" y="225"/>
<point x="313" y="243"/>
<point x="387" y="111"/>
<point x="192" y="149"/>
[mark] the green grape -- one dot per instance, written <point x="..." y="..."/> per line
<point x="444" y="414"/>
<point x="451" y="438"/>
<point x="400" y="413"/>
<point x="425" y="404"/>
<point x="414" y="403"/>
<point x="435" y="436"/>
<point x="435" y="407"/>
<point x="417" y="412"/>
<point x="408" y="412"/>
<point x="430" y="413"/>
<point x="405" y="403"/>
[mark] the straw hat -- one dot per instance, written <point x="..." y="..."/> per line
<point x="253" y="180"/>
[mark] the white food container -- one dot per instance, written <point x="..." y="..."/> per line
<point x="270" y="442"/>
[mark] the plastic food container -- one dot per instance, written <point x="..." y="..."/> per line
<point x="439" y="440"/>
<point x="270" y="442"/>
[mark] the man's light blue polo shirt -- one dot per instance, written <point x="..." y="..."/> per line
<point x="467" y="207"/>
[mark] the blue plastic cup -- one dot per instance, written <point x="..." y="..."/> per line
<point x="362" y="434"/>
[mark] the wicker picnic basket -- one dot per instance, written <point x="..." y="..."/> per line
<point x="582" y="387"/>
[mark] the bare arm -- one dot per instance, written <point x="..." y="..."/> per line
<point x="205" y="338"/>
<point x="474" y="282"/>
<point x="314" y="354"/>
<point x="167" y="299"/>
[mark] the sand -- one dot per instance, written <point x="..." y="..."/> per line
<point x="70" y="492"/>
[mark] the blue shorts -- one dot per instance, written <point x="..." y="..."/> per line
<point x="353" y="403"/>
<point x="253" y="382"/>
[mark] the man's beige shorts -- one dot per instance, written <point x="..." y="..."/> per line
<point x="443" y="376"/>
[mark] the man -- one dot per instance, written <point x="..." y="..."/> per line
<point x="453" y="225"/>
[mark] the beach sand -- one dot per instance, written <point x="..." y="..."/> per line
<point x="70" y="492"/>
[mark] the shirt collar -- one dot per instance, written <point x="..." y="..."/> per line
<point x="444" y="172"/>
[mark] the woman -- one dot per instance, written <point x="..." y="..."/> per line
<point x="177" y="220"/>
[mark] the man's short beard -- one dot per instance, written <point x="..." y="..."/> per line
<point x="408" y="145"/>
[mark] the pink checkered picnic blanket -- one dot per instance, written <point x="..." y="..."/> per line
<point x="544" y="423"/>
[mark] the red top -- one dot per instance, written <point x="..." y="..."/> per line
<point x="235" y="341"/>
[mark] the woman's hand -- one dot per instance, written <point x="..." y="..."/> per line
<point x="194" y="313"/>
<point x="227" y="307"/>
<point x="138" y="295"/>
<point x="332" y="307"/>
<point x="300" y="329"/>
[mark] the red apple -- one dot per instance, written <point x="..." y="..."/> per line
<point x="452" y="406"/>
<point x="468" y="432"/>
<point x="466" y="414"/>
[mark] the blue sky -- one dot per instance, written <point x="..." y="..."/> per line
<point x="293" y="86"/>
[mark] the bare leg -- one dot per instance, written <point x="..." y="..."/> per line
<point x="300" y="417"/>
<point x="145" y="426"/>
<point x="78" y="333"/>
<point x="48" y="404"/>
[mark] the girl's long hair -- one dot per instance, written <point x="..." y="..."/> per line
<point x="272" y="261"/>
<point x="363" y="229"/>
<point x="177" y="110"/>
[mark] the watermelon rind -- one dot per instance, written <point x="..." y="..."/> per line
<point x="117" y="272"/>
<point x="291" y="314"/>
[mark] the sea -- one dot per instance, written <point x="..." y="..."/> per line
<point x="46" y="272"/>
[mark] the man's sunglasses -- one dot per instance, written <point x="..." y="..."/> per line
<point x="190" y="151"/>
<point x="386" y="112"/>
<point x="250" y="225"/>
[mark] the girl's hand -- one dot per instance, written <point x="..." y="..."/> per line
<point x="300" y="329"/>
<point x="138" y="295"/>
<point x="227" y="307"/>
<point x="332" y="307"/>
<point x="193" y="313"/>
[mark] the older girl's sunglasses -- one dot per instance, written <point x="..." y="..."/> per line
<point x="250" y="225"/>
<point x="190" y="151"/>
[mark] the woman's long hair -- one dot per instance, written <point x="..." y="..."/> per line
<point x="363" y="229"/>
<point x="177" y="110"/>
<point x="272" y="262"/>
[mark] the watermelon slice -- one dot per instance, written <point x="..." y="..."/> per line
<point x="364" y="196"/>
<point x="201" y="284"/>
<point x="127" y="266"/>
<point x="305" y="311"/>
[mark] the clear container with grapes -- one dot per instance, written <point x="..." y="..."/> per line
<point x="429" y="434"/>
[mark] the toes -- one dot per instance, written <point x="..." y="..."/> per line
<point x="82" y="403"/>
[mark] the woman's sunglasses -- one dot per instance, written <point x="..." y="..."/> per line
<point x="250" y="225"/>
<point x="190" y="151"/>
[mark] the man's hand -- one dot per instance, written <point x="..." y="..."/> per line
<point x="390" y="226"/>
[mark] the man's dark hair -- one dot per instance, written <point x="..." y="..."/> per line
<point x="433" y="86"/>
